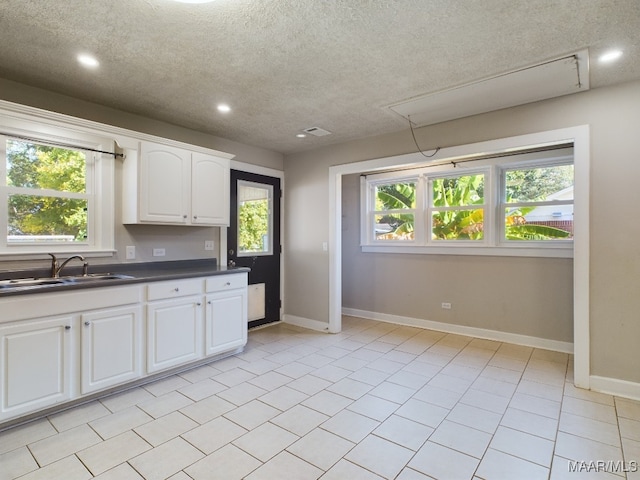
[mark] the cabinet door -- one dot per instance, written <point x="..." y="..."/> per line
<point x="209" y="190"/>
<point x="111" y="347"/>
<point x="36" y="365"/>
<point x="165" y="184"/>
<point x="226" y="321"/>
<point x="174" y="332"/>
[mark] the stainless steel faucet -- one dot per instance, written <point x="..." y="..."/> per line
<point x="56" y="269"/>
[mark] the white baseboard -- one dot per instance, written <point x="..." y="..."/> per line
<point x="614" y="386"/>
<point x="306" y="323"/>
<point x="536" y="342"/>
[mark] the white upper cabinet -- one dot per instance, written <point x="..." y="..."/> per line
<point x="164" y="184"/>
<point x="209" y="190"/>
<point x="172" y="186"/>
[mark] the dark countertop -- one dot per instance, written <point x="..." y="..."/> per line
<point x="138" y="273"/>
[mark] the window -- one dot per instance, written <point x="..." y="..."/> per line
<point x="254" y="219"/>
<point x="47" y="193"/>
<point x="456" y="207"/>
<point x="53" y="198"/>
<point x="394" y="211"/>
<point x="538" y="203"/>
<point x="500" y="205"/>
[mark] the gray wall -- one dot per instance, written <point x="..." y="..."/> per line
<point x="613" y="116"/>
<point x="180" y="243"/>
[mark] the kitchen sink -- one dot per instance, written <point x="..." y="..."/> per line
<point x="73" y="280"/>
<point x="95" y="277"/>
<point x="30" y="282"/>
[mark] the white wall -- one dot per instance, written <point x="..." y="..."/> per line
<point x="613" y="116"/>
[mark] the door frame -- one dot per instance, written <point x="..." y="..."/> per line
<point x="579" y="135"/>
<point x="268" y="172"/>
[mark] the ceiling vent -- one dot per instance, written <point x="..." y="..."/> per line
<point x="561" y="76"/>
<point x="317" y="131"/>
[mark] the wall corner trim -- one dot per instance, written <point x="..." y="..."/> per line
<point x="615" y="386"/>
<point x="526" y="340"/>
<point x="306" y="323"/>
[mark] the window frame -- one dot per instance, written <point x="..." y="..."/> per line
<point x="502" y="204"/>
<point x="370" y="199"/>
<point x="430" y="208"/>
<point x="269" y="189"/>
<point x="493" y="231"/>
<point x="99" y="188"/>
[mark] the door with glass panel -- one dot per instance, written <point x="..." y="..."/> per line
<point x="253" y="240"/>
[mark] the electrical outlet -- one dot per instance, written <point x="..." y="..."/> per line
<point x="158" y="252"/>
<point x="130" y="252"/>
<point x="446" y="305"/>
<point x="208" y="244"/>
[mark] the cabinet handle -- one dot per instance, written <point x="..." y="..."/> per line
<point x="184" y="216"/>
<point x="209" y="302"/>
<point x="67" y="327"/>
<point x="176" y="289"/>
<point x="195" y="217"/>
<point x="198" y="304"/>
<point x="228" y="284"/>
<point x="87" y="323"/>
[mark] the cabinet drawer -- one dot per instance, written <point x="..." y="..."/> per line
<point x="226" y="282"/>
<point x="174" y="288"/>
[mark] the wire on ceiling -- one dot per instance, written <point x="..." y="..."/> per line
<point x="416" y="142"/>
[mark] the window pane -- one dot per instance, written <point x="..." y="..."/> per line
<point x="396" y="196"/>
<point x="46" y="219"/>
<point x="539" y="184"/>
<point x="394" y="227"/>
<point x="253" y="219"/>
<point x="30" y="165"/>
<point x="458" y="191"/>
<point x="458" y="225"/>
<point x="549" y="222"/>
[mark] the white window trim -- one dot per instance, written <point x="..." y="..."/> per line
<point x="368" y="232"/>
<point x="493" y="243"/>
<point x="101" y="215"/>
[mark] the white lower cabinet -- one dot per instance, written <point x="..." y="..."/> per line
<point x="36" y="365"/>
<point x="174" y="332"/>
<point x="97" y="339"/>
<point x="226" y="315"/>
<point x="111" y="345"/>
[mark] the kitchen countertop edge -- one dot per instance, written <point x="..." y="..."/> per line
<point x="140" y="273"/>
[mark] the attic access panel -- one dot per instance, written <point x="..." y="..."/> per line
<point x="562" y="76"/>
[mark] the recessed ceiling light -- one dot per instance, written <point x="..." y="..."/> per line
<point x="224" y="108"/>
<point x="88" y="61"/>
<point x="301" y="135"/>
<point x="610" y="56"/>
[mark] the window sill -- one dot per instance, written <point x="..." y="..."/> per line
<point x="38" y="254"/>
<point x="491" y="251"/>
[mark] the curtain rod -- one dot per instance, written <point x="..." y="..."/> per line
<point x="475" y="159"/>
<point x="60" y="144"/>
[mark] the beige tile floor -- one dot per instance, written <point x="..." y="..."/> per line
<point x="375" y="401"/>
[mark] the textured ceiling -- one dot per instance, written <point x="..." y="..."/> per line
<point x="285" y="65"/>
